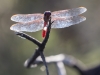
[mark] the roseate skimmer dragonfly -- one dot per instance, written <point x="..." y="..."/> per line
<point x="38" y="21"/>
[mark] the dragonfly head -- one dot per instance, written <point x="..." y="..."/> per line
<point x="47" y="15"/>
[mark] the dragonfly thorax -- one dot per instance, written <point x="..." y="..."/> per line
<point x="47" y="15"/>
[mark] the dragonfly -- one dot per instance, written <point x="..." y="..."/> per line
<point x="38" y="21"/>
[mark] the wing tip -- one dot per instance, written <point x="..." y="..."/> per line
<point x="84" y="18"/>
<point x="83" y="8"/>
<point x="81" y="19"/>
<point x="13" y="17"/>
<point x="13" y="28"/>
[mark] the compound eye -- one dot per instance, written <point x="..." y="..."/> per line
<point x="47" y="13"/>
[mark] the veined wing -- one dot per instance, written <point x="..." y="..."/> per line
<point x="28" y="27"/>
<point x="26" y="17"/>
<point x="69" y="12"/>
<point x="66" y="22"/>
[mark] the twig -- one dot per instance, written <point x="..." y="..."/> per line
<point x="23" y="35"/>
<point x="44" y="61"/>
<point x="40" y="49"/>
<point x="63" y="59"/>
<point x="61" y="68"/>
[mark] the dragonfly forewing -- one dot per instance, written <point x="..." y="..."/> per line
<point x="35" y="22"/>
<point x="63" y="22"/>
<point x="69" y="12"/>
<point x="26" y="17"/>
<point x="28" y="27"/>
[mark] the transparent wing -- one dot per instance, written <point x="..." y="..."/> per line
<point x="69" y="12"/>
<point x="66" y="22"/>
<point x="28" y="27"/>
<point x="26" y="17"/>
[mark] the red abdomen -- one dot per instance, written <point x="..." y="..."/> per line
<point x="44" y="30"/>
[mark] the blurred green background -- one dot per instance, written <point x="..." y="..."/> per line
<point x="81" y="41"/>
